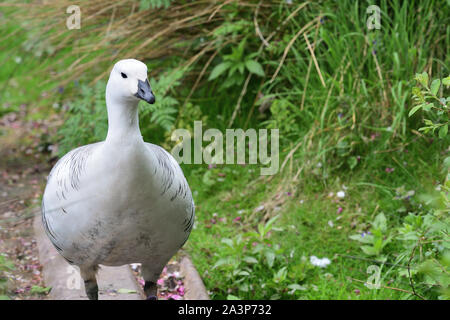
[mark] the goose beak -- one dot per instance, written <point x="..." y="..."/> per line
<point x="145" y="92"/>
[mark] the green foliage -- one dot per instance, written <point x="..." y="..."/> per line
<point x="163" y="111"/>
<point x="426" y="96"/>
<point x="426" y="249"/>
<point x="426" y="236"/>
<point x="87" y="119"/>
<point x="5" y="265"/>
<point x="376" y="239"/>
<point x="283" y="118"/>
<point x="234" y="66"/>
<point x="251" y="260"/>
<point x="422" y="245"/>
<point x="40" y="290"/>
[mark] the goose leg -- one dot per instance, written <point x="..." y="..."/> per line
<point x="150" y="276"/>
<point x="90" y="282"/>
<point x="151" y="290"/>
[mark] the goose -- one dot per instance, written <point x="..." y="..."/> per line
<point x="122" y="200"/>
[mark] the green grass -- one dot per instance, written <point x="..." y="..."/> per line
<point x="305" y="216"/>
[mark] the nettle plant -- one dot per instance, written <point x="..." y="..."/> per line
<point x="235" y="65"/>
<point x="426" y="95"/>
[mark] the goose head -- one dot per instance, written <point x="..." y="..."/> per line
<point x="128" y="82"/>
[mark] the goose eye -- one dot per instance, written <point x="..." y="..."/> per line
<point x="123" y="75"/>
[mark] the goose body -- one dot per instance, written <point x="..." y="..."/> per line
<point x="122" y="200"/>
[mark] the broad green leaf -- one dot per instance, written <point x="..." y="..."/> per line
<point x="435" y="86"/>
<point x="241" y="68"/>
<point x="218" y="70"/>
<point x="269" y="223"/>
<point x="414" y="110"/>
<point x="270" y="256"/>
<point x="443" y="131"/>
<point x="249" y="259"/>
<point x="227" y="241"/>
<point x="380" y="222"/>
<point x="280" y="275"/>
<point x="352" y="162"/>
<point x="296" y="287"/>
<point x="220" y="262"/>
<point x="371" y="251"/>
<point x="254" y="67"/>
<point x="447" y="162"/>
<point x="446" y="81"/>
<point x="366" y="239"/>
<point x="231" y="297"/>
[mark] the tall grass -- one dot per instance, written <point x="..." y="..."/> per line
<point x="338" y="92"/>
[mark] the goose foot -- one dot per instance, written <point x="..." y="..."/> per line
<point x="150" y="290"/>
<point x="91" y="289"/>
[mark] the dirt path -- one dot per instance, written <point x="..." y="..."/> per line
<point x="22" y="174"/>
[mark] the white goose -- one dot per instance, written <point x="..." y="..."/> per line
<point x="122" y="200"/>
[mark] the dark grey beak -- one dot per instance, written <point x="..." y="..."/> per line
<point x="145" y="92"/>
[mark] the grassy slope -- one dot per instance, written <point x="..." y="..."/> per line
<point x="305" y="217"/>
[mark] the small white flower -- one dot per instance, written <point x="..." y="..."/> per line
<point x="18" y="60"/>
<point x="340" y="194"/>
<point x="330" y="223"/>
<point x="321" y="263"/>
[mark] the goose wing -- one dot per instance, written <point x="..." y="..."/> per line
<point x="63" y="181"/>
<point x="174" y="185"/>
